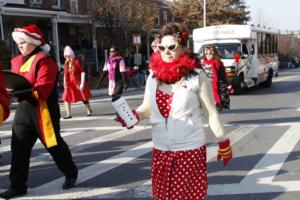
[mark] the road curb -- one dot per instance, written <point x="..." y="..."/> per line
<point x="103" y="93"/>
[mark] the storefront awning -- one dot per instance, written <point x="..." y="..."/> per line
<point x="29" y="12"/>
<point x="71" y="18"/>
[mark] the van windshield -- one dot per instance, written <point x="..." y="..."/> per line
<point x="228" y="50"/>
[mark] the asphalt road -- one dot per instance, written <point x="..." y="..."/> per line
<point x="115" y="163"/>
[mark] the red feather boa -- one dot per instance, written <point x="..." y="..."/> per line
<point x="173" y="71"/>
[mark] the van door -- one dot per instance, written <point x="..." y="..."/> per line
<point x="246" y="65"/>
<point x="254" y="62"/>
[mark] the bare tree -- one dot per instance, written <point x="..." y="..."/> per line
<point x="289" y="48"/>
<point x="120" y="18"/>
<point x="263" y="20"/>
<point x="284" y="45"/>
<point x="218" y="12"/>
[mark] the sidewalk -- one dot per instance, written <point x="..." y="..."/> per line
<point x="103" y="93"/>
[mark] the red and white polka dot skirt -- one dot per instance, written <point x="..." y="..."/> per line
<point x="179" y="175"/>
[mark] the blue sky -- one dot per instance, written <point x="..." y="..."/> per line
<point x="279" y="14"/>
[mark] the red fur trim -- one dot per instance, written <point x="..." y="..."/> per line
<point x="215" y="64"/>
<point x="174" y="71"/>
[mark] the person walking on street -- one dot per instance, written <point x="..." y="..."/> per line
<point x="115" y="69"/>
<point x="175" y="94"/>
<point x="37" y="114"/>
<point x="215" y="70"/>
<point x="75" y="86"/>
<point x="4" y="100"/>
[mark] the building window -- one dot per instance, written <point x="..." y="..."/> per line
<point x="56" y="3"/>
<point x="74" y="6"/>
<point x="165" y="16"/>
<point x="37" y="1"/>
<point x="158" y="18"/>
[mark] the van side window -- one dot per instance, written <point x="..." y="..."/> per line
<point x="259" y="43"/>
<point x="245" y="49"/>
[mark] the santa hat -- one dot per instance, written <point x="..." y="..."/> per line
<point x="69" y="52"/>
<point x="31" y="34"/>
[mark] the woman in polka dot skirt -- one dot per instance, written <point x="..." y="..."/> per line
<point x="176" y="91"/>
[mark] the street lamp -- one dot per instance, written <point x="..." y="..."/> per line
<point x="204" y="13"/>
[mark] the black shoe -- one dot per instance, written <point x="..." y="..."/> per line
<point x="10" y="193"/>
<point x="69" y="183"/>
<point x="67" y="117"/>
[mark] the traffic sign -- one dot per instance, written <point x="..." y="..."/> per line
<point x="136" y="40"/>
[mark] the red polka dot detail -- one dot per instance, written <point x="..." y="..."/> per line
<point x="179" y="175"/>
<point x="164" y="102"/>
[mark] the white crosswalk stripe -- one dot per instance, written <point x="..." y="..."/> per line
<point x="7" y="148"/>
<point x="258" y="180"/>
<point x="43" y="158"/>
<point x="64" y="132"/>
<point x="108" y="164"/>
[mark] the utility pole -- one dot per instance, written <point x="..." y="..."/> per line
<point x="204" y="13"/>
<point x="1" y="21"/>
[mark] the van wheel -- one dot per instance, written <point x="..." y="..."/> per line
<point x="268" y="82"/>
<point x="239" y="85"/>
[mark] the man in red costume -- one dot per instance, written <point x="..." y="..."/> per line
<point x="38" y="113"/>
<point x="4" y="100"/>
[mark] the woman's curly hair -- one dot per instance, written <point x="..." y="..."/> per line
<point x="178" y="29"/>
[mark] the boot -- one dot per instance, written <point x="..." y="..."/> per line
<point x="11" y="193"/>
<point x="69" y="183"/>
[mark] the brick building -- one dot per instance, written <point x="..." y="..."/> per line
<point x="65" y="22"/>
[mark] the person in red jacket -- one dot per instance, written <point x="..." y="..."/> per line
<point x="76" y="88"/>
<point x="38" y="114"/>
<point x="215" y="71"/>
<point x="4" y="99"/>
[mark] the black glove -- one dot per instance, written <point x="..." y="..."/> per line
<point x="219" y="107"/>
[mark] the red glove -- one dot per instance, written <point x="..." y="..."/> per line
<point x="230" y="89"/>
<point x="224" y="151"/>
<point x="122" y="122"/>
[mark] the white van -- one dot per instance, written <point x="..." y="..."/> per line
<point x="257" y="47"/>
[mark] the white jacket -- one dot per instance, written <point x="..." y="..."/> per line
<point x="183" y="130"/>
